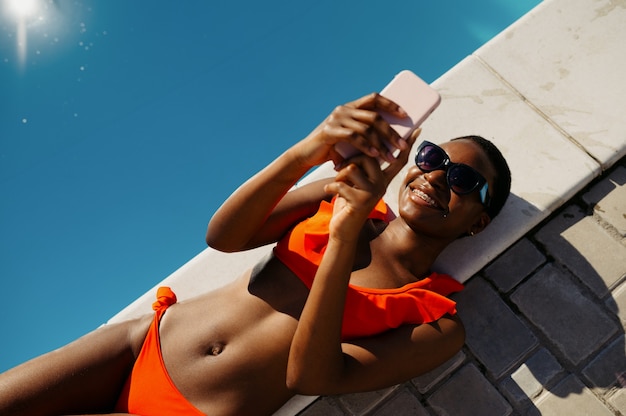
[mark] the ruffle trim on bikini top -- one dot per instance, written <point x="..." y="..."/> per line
<point x="367" y="311"/>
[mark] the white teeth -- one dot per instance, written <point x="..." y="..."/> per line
<point x="426" y="198"/>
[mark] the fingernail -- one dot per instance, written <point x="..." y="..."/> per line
<point x="340" y="165"/>
<point x="402" y="144"/>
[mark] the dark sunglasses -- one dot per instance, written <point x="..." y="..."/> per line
<point x="461" y="178"/>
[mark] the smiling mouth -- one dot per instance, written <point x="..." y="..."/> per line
<point x="424" y="197"/>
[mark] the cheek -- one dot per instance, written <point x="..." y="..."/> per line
<point x="412" y="173"/>
<point x="465" y="210"/>
<point x="469" y="203"/>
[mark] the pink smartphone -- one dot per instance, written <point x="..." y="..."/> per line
<point x="411" y="93"/>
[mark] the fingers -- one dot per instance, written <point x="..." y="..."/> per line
<point x="360" y="174"/>
<point x="361" y="171"/>
<point x="380" y="104"/>
<point x="353" y="128"/>
<point x="402" y="158"/>
<point x="414" y="135"/>
<point x="360" y="181"/>
<point x="375" y="101"/>
<point x="360" y="124"/>
<point x="369" y="133"/>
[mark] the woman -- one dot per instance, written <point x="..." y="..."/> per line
<point x="280" y="329"/>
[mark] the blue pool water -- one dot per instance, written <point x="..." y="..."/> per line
<point x="123" y="125"/>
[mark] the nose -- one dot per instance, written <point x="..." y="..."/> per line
<point x="437" y="179"/>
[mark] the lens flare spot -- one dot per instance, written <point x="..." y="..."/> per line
<point x="22" y="8"/>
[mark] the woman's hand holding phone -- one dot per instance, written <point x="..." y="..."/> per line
<point x="415" y="97"/>
<point x="376" y="125"/>
<point x="359" y="126"/>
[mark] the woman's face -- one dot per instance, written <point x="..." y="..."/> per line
<point x="428" y="205"/>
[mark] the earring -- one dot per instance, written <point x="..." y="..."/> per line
<point x="471" y="233"/>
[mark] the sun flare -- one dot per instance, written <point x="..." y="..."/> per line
<point x="22" y="12"/>
<point x="22" y="8"/>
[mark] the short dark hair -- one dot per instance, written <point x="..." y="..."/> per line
<point x="502" y="180"/>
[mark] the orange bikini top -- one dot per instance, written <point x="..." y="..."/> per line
<point x="367" y="311"/>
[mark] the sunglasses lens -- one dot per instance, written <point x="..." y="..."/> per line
<point x="462" y="179"/>
<point x="430" y="158"/>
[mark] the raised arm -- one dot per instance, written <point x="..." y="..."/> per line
<point x="259" y="212"/>
<point x="319" y="363"/>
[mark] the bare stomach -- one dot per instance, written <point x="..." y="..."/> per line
<point x="226" y="351"/>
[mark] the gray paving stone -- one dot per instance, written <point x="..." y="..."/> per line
<point x="608" y="367"/>
<point x="495" y="335"/>
<point x="514" y="265"/>
<point x="617" y="303"/>
<point x="323" y="407"/>
<point x="578" y="241"/>
<point x="571" y="397"/>
<point x="563" y="313"/>
<point x="608" y="199"/>
<point x="528" y="381"/>
<point x="516" y="396"/>
<point x="426" y="382"/>
<point x="403" y="403"/>
<point x="359" y="403"/>
<point x="468" y="393"/>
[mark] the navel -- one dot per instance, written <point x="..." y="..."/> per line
<point x="216" y="348"/>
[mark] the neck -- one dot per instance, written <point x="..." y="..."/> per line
<point x="413" y="252"/>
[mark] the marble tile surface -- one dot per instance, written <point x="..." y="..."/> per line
<point x="567" y="58"/>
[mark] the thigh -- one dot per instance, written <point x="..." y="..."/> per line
<point x="84" y="376"/>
